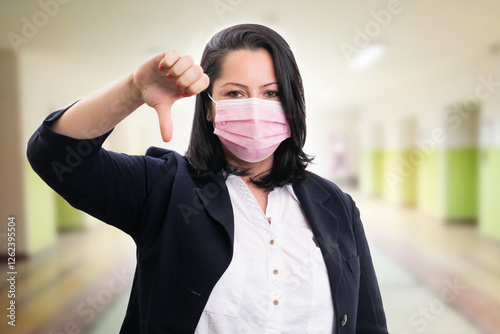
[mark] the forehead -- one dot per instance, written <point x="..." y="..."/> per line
<point x="248" y="65"/>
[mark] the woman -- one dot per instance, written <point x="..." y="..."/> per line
<point x="236" y="236"/>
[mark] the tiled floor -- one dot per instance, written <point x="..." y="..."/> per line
<point x="411" y="306"/>
<point x="71" y="286"/>
<point x="435" y="278"/>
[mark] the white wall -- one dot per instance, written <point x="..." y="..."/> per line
<point x="11" y="166"/>
<point x="429" y="101"/>
<point x="51" y="81"/>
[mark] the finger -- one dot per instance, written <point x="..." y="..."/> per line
<point x="165" y="120"/>
<point x="198" y="86"/>
<point x="169" y="59"/>
<point x="181" y="65"/>
<point x="190" y="76"/>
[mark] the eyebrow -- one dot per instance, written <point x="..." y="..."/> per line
<point x="244" y="86"/>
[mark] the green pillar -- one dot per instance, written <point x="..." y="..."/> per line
<point x="400" y="162"/>
<point x="68" y="218"/>
<point x="40" y="212"/>
<point x="460" y="170"/>
<point x="371" y="159"/>
<point x="489" y="208"/>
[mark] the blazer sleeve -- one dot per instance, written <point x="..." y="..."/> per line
<point x="371" y="316"/>
<point x="110" y="186"/>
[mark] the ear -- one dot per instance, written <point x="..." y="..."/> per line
<point x="210" y="115"/>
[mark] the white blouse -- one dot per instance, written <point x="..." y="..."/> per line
<point x="277" y="280"/>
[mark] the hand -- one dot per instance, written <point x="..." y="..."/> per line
<point x="166" y="78"/>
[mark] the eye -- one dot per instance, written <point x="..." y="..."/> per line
<point x="234" y="93"/>
<point x="272" y="93"/>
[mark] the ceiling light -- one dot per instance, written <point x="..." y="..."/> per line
<point x="367" y="56"/>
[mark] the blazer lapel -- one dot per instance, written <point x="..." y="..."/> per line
<point x="214" y="196"/>
<point x="324" y="224"/>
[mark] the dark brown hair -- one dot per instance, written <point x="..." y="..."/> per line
<point x="205" y="155"/>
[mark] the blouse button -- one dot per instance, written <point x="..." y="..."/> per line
<point x="276" y="302"/>
<point x="271" y="242"/>
<point x="276" y="271"/>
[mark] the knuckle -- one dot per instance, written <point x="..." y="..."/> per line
<point x="174" y="53"/>
<point x="205" y="79"/>
<point x="181" y="81"/>
<point x="171" y="57"/>
<point x="193" y="89"/>
<point x="174" y="71"/>
<point x="193" y="72"/>
<point x="198" y="70"/>
<point x="186" y="78"/>
<point x="188" y="59"/>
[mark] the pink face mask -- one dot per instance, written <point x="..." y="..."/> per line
<point x="252" y="129"/>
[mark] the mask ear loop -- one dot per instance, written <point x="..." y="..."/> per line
<point x="211" y="98"/>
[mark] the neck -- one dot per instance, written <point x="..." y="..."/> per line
<point x="254" y="168"/>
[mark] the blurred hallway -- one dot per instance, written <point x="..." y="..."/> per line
<point x="72" y="284"/>
<point x="416" y="132"/>
<point x="435" y="278"/>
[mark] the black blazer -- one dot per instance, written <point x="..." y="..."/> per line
<point x="184" y="230"/>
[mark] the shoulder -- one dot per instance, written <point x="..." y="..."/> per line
<point x="160" y="155"/>
<point x="315" y="182"/>
<point x="317" y="192"/>
<point x="165" y="163"/>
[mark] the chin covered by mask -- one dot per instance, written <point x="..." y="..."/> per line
<point x="252" y="128"/>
